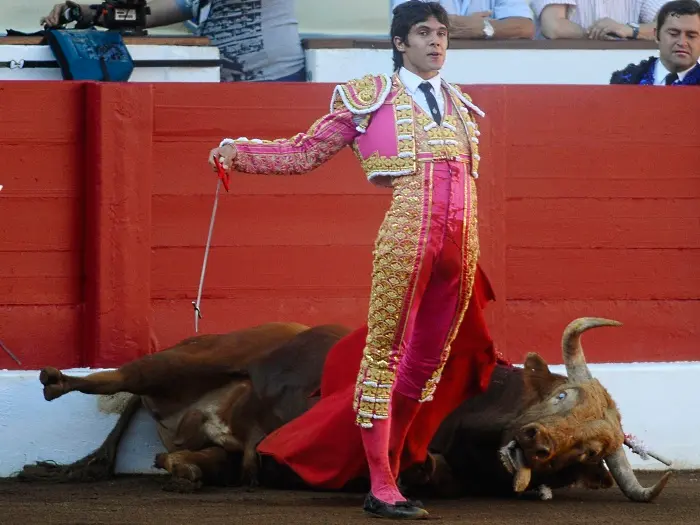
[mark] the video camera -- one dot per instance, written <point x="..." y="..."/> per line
<point x="125" y="16"/>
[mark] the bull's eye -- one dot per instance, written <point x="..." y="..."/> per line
<point x="561" y="396"/>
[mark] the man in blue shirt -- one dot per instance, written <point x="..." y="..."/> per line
<point x="487" y="19"/>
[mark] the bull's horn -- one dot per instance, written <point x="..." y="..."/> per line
<point x="576" y="367"/>
<point x="623" y="474"/>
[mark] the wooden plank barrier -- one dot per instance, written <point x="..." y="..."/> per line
<point x="589" y="205"/>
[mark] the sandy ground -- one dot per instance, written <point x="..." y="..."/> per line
<point x="136" y="500"/>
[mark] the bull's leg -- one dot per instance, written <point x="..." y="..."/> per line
<point x="432" y="478"/>
<point x="190" y="431"/>
<point x="190" y="469"/>
<point x="96" y="466"/>
<point x="56" y="383"/>
<point x="235" y="427"/>
<point x="251" y="461"/>
<point x="144" y="376"/>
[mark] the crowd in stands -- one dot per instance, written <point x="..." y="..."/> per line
<point x="259" y="39"/>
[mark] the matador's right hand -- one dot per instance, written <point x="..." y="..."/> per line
<point x="225" y="155"/>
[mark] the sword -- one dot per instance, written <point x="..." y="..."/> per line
<point x="223" y="178"/>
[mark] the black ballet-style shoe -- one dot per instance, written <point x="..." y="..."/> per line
<point x="415" y="502"/>
<point x="405" y="510"/>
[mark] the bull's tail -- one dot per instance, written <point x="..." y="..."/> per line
<point x="96" y="466"/>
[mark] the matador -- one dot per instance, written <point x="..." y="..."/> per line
<point x="417" y="134"/>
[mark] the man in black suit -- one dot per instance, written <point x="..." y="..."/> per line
<point x="678" y="36"/>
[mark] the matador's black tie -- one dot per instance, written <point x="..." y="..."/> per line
<point x="427" y="88"/>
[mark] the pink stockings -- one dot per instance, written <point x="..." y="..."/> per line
<point x="383" y="444"/>
<point x="376" y="443"/>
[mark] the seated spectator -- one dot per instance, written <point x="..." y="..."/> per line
<point x="678" y="36"/>
<point x="257" y="39"/>
<point x="487" y="19"/>
<point x="597" y="19"/>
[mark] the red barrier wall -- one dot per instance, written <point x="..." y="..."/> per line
<point x="588" y="206"/>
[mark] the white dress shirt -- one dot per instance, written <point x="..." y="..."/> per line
<point x="411" y="81"/>
<point x="585" y="13"/>
<point x="660" y="73"/>
<point x="500" y="9"/>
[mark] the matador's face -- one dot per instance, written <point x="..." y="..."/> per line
<point x="425" y="47"/>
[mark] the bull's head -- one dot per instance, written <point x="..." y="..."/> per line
<point x="573" y="420"/>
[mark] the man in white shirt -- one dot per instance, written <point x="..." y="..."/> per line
<point x="678" y="36"/>
<point x="596" y="19"/>
<point x="487" y="19"/>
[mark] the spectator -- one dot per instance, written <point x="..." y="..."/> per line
<point x="597" y="19"/>
<point x="257" y="39"/>
<point x="678" y="36"/>
<point x="473" y="19"/>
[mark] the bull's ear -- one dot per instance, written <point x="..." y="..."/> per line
<point x="537" y="376"/>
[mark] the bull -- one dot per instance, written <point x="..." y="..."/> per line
<point x="214" y="397"/>
<point x="533" y="429"/>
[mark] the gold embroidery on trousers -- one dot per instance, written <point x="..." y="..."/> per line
<point x="397" y="252"/>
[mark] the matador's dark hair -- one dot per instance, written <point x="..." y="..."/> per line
<point x="676" y="8"/>
<point x="410" y="13"/>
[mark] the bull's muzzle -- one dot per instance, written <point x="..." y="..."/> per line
<point x="535" y="443"/>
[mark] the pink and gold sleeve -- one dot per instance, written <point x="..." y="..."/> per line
<point x="301" y="153"/>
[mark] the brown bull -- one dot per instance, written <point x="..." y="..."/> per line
<point x="217" y="395"/>
<point x="213" y="397"/>
<point x="533" y="429"/>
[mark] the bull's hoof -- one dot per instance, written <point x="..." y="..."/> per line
<point x="251" y="483"/>
<point x="182" y="485"/>
<point x="187" y="471"/>
<point x="160" y="460"/>
<point x="186" y="477"/>
<point x="405" y="510"/>
<point x="52" y="379"/>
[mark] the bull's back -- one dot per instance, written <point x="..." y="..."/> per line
<point x="195" y="366"/>
<point x="232" y="351"/>
<point x="292" y="372"/>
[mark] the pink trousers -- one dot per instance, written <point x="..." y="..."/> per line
<point x="443" y="285"/>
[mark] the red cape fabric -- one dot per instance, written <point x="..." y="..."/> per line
<point x="324" y="447"/>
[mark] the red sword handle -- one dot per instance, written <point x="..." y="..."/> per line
<point x="223" y="174"/>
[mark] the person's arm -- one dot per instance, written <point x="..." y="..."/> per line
<point x="515" y="27"/>
<point x="297" y="155"/>
<point x="472" y="26"/>
<point x="609" y="29"/>
<point x="555" y="25"/>
<point x="163" y="13"/>
<point x="469" y="26"/>
<point x="647" y="22"/>
<point x="512" y="19"/>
